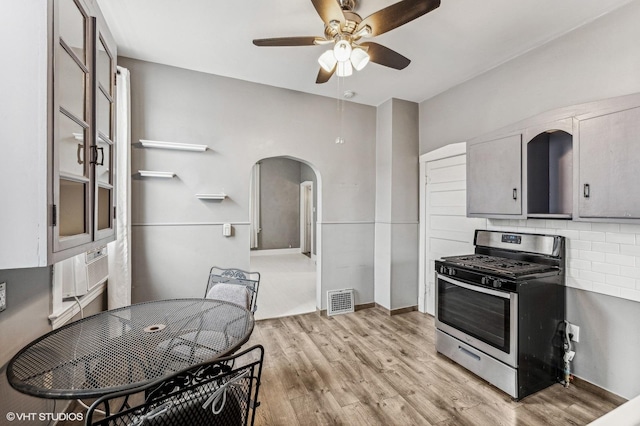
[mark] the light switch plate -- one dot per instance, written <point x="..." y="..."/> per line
<point x="3" y="296"/>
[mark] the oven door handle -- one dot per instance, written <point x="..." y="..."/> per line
<point x="477" y="288"/>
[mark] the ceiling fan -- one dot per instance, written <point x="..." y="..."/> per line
<point x="345" y="30"/>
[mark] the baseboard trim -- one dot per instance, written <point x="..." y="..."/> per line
<point x="360" y="307"/>
<point x="271" y="252"/>
<point x="597" y="390"/>
<point x="399" y="311"/>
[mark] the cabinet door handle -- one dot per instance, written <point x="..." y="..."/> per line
<point x="95" y="161"/>
<point x="587" y="190"/>
<point x="515" y="193"/>
<point x="78" y="154"/>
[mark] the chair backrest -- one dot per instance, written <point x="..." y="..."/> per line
<point x="250" y="280"/>
<point x="216" y="392"/>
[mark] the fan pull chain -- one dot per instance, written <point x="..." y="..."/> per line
<point x="340" y="110"/>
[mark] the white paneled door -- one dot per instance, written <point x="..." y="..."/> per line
<point x="447" y="230"/>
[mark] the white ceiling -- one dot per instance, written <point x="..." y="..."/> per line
<point x="457" y="41"/>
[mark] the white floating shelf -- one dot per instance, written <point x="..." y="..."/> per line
<point x="173" y="145"/>
<point x="219" y="196"/>
<point x="149" y="173"/>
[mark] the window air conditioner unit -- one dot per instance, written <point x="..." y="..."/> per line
<point x="81" y="273"/>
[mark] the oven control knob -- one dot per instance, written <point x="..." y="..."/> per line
<point x="497" y="283"/>
<point x="443" y="269"/>
<point x="452" y="272"/>
<point x="484" y="280"/>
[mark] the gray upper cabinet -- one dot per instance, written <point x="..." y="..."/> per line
<point x="494" y="177"/>
<point x="58" y="136"/>
<point x="609" y="154"/>
<point x="578" y="162"/>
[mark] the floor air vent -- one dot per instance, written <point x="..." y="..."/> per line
<point x="340" y="302"/>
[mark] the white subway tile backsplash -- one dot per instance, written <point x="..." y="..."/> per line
<point x="606" y="268"/>
<point x="626" y="271"/>
<point x="573" y="253"/>
<point x="605" y="227"/>
<point x="616" y="237"/>
<point x="568" y="233"/>
<point x="593" y="256"/>
<point x="593" y="236"/>
<point x="580" y="284"/>
<point x="621" y="281"/>
<point x="556" y="224"/>
<point x="605" y="247"/>
<point x="578" y="244"/>
<point x="630" y="294"/>
<point x="630" y="250"/>
<point x="630" y="228"/>
<point x="596" y="277"/>
<point x="607" y="289"/>
<point x="600" y="257"/>
<point x="579" y="264"/>
<point x="573" y="273"/>
<point x="536" y="223"/>
<point x="580" y="226"/>
<point x="620" y="259"/>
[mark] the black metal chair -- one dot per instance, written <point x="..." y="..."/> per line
<point x="223" y="284"/>
<point x="219" y="392"/>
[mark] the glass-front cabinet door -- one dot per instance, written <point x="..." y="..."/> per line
<point x="72" y="191"/>
<point x="104" y="154"/>
<point x="84" y="70"/>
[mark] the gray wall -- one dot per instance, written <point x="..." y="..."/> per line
<point x="396" y="238"/>
<point x="597" y="61"/>
<point x="594" y="62"/>
<point x="176" y="237"/>
<point x="279" y="203"/>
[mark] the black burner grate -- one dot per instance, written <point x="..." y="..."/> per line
<point x="500" y="265"/>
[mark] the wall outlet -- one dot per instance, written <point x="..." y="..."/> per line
<point x="574" y="331"/>
<point x="3" y="296"/>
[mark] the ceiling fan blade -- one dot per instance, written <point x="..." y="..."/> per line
<point x="385" y="56"/>
<point x="287" y="41"/>
<point x="324" y="76"/>
<point x="397" y="15"/>
<point x="329" y="10"/>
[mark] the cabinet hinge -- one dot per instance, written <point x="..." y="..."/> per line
<point x="54" y="215"/>
<point x="114" y="212"/>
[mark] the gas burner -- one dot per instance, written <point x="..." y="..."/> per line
<point x="494" y="264"/>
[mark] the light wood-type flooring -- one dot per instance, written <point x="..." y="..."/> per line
<point x="368" y="368"/>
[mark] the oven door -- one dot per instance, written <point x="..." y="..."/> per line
<point x="481" y="317"/>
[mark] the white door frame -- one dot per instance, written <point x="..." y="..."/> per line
<point x="447" y="151"/>
<point x="306" y="190"/>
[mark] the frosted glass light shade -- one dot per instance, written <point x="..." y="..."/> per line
<point x="342" y="51"/>
<point x="344" y="69"/>
<point x="359" y="58"/>
<point x="327" y="61"/>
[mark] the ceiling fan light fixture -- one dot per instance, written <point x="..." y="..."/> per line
<point x="342" y="51"/>
<point x="327" y="60"/>
<point x="344" y="69"/>
<point x="359" y="58"/>
<point x="363" y="32"/>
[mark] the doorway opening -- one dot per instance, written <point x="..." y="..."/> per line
<point x="306" y="219"/>
<point x="284" y="245"/>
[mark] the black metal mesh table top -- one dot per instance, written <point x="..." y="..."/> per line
<point x="127" y="347"/>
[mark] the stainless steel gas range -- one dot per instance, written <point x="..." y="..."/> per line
<point x="500" y="311"/>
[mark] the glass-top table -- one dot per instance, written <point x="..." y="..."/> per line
<point x="128" y="347"/>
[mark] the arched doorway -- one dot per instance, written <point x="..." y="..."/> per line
<point x="285" y="244"/>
